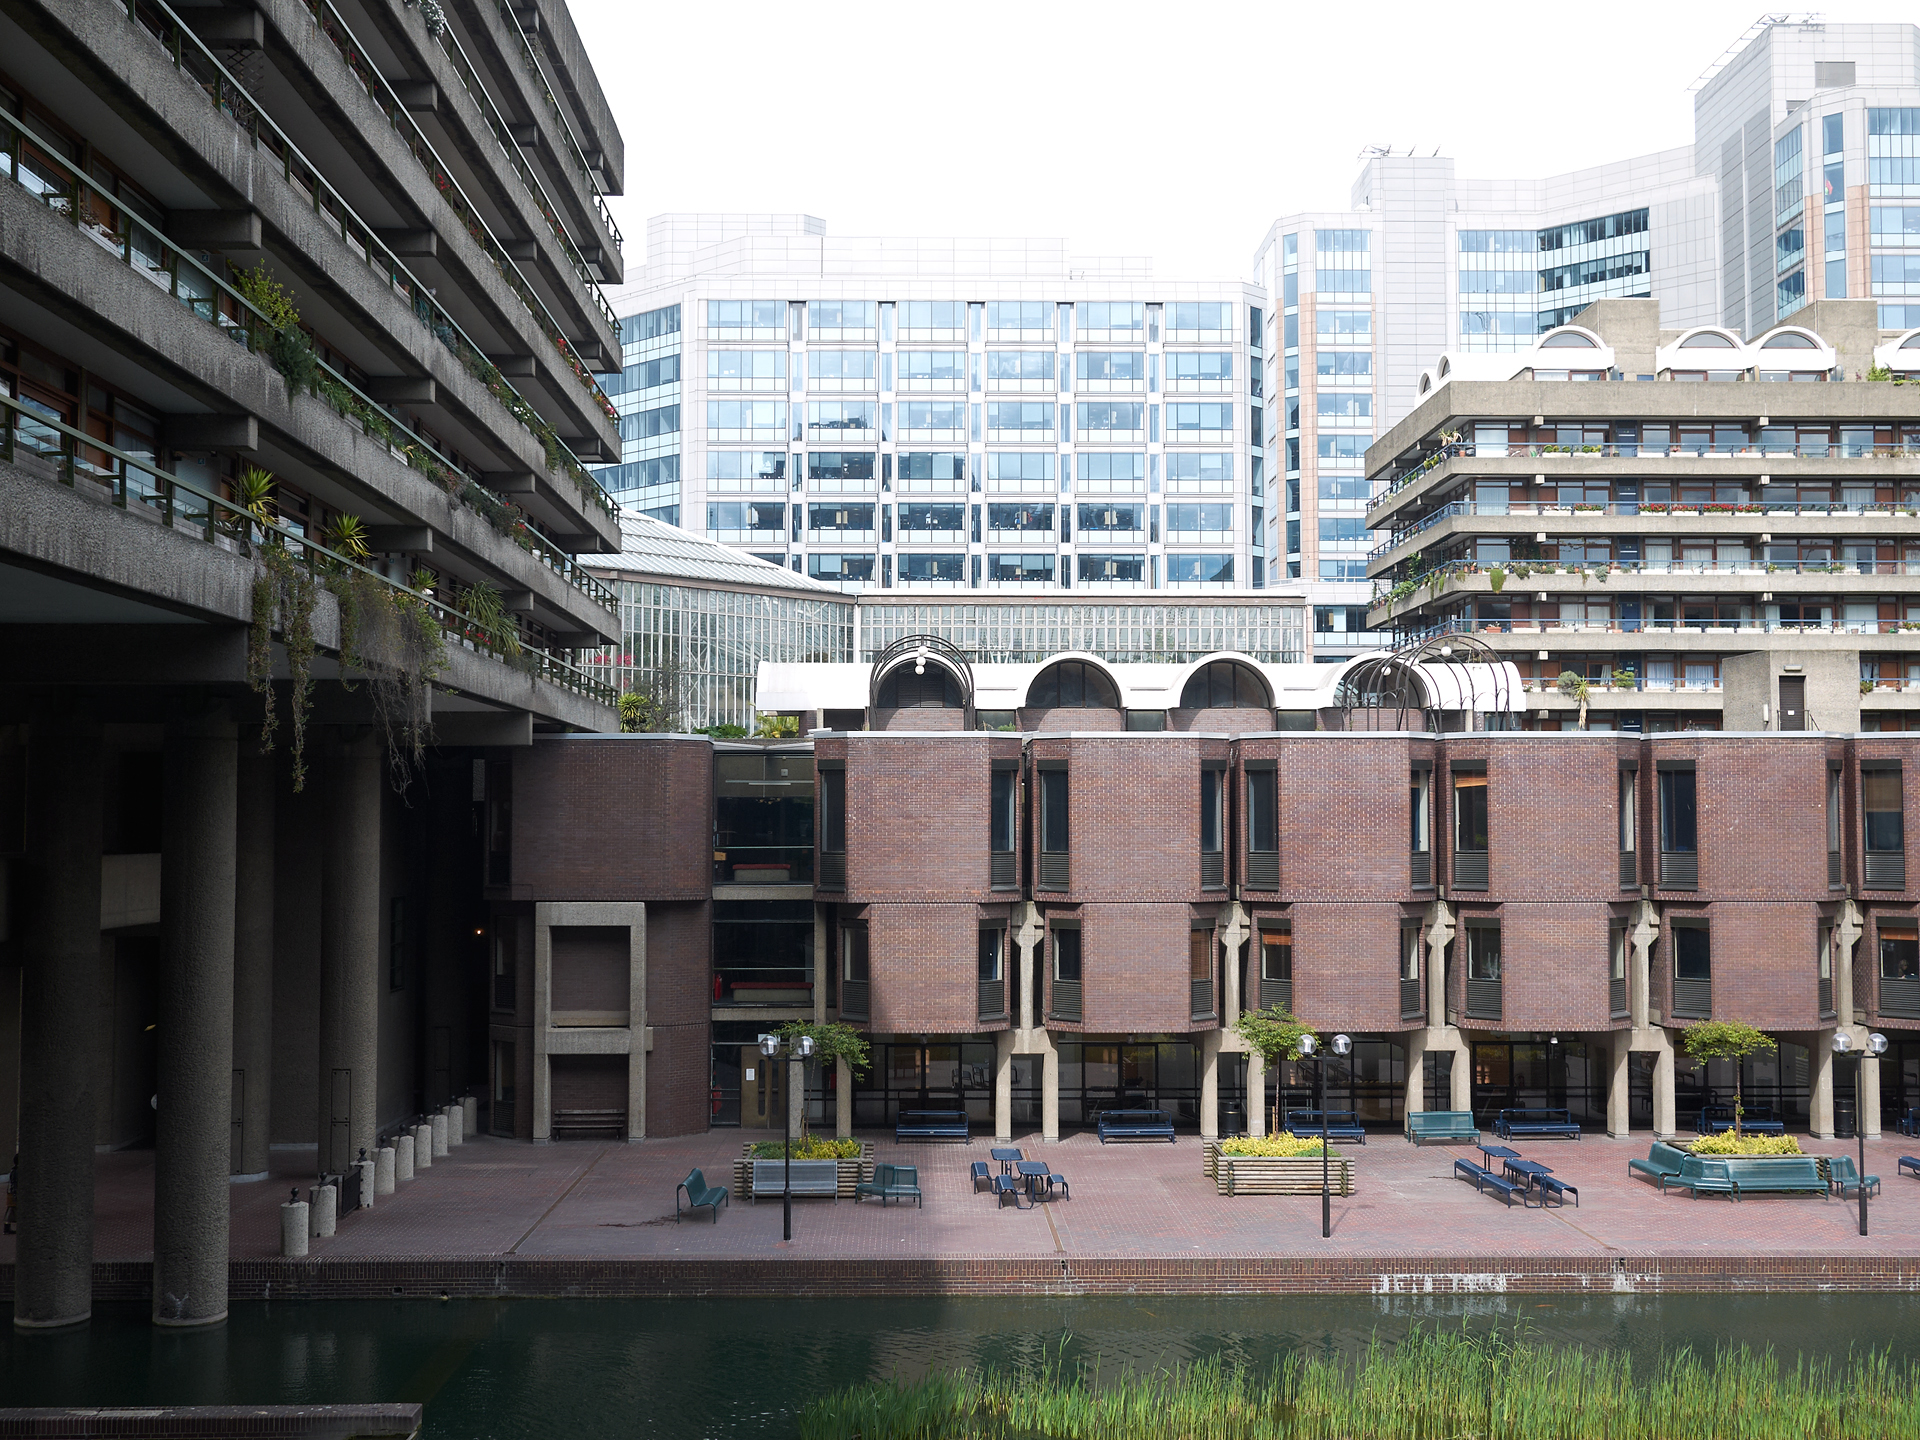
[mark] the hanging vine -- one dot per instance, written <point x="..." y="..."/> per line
<point x="393" y="639"/>
<point x="283" y="591"/>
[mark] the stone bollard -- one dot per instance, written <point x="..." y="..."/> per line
<point x="366" y="1168"/>
<point x="403" y="1156"/>
<point x="470" y="1115"/>
<point x="383" y="1170"/>
<point x="438" y="1130"/>
<point x="422" y="1147"/>
<point x="456" y="1125"/>
<point x="326" y="1201"/>
<point x="293" y="1226"/>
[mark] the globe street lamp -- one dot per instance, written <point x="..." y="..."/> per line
<point x="1876" y="1047"/>
<point x="796" y="1047"/>
<point x="1310" y="1047"/>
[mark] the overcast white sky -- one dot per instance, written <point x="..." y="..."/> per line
<point x="1179" y="131"/>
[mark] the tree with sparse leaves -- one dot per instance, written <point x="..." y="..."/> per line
<point x="1725" y="1040"/>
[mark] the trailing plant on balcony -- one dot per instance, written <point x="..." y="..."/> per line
<point x="394" y="640"/>
<point x="283" y="590"/>
<point x="1725" y="1040"/>
<point x="1496" y="578"/>
<point x="1624" y="680"/>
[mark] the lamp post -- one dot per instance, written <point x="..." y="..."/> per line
<point x="798" y="1047"/>
<point x="1876" y="1047"/>
<point x="1309" y="1046"/>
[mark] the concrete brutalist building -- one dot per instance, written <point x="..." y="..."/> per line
<point x="300" y="311"/>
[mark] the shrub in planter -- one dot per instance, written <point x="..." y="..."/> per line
<point x="1731" y="1144"/>
<point x="1271" y="1146"/>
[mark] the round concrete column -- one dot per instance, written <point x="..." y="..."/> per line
<point x="383" y="1177"/>
<point x="350" y="954"/>
<point x="422" y="1147"/>
<point x="253" y="959"/>
<point x="293" y="1227"/>
<point x="403" y="1156"/>
<point x="193" y="1148"/>
<point x="59" y="946"/>
<point x="437" y="1130"/>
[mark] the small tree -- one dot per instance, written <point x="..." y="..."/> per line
<point x="832" y="1041"/>
<point x="1725" y="1040"/>
<point x="1574" y="687"/>
<point x="1275" y="1032"/>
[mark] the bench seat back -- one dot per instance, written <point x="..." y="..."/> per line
<point x="1440" y="1122"/>
<point x="1791" y="1171"/>
<point x="696" y="1186"/>
<point x="811" y="1176"/>
<point x="918" y="1118"/>
<point x="1666" y="1157"/>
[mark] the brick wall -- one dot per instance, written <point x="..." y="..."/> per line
<point x="625" y="817"/>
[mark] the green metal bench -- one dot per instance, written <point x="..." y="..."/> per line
<point x="891" y="1182"/>
<point x="699" y="1193"/>
<point x="1777" y="1174"/>
<point x="1699" y="1173"/>
<point x="1845" y="1178"/>
<point x="774" y="1178"/>
<point x="1441" y="1125"/>
<point x="1662" y="1160"/>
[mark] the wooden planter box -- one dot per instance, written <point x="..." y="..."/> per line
<point x="1275" y="1174"/>
<point x="851" y="1172"/>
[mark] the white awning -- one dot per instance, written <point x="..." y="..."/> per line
<point x="1495" y="689"/>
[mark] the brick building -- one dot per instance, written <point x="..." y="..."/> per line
<point x="1068" y="913"/>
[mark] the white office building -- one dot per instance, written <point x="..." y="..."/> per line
<point x="943" y="415"/>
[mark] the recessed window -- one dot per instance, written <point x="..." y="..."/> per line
<point x="1483" y="952"/>
<point x="1000" y="821"/>
<point x="1421" y="815"/>
<point x="992" y="955"/>
<point x="1053" y="811"/>
<point x="1073" y="685"/>
<point x="1470" y="811"/>
<point x="1679" y="817"/>
<point x="1880" y="808"/>
<point x="1692" y="952"/>
<point x="934" y="689"/>
<point x="1225" y="684"/>
<point x="1066" y="955"/>
<point x="1263" y="828"/>
<point x="1899" y="952"/>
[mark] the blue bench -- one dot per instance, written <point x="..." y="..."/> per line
<point x="1844" y="1177"/>
<point x="981" y="1172"/>
<point x="1441" y="1125"/>
<point x="1908" y="1162"/>
<point x="1662" y="1160"/>
<point x="1556" y="1189"/>
<point x="1908" y="1122"/>
<point x="1513" y="1124"/>
<point x="1134" y="1125"/>
<point x="1484" y="1179"/>
<point x="1757" y="1120"/>
<point x="699" y="1193"/>
<point x="890" y="1182"/>
<point x="1058" y="1182"/>
<point x="934" y="1125"/>
<point x="1341" y="1125"/>
<point x="1005" y="1185"/>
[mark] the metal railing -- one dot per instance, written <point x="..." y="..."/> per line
<point x="64" y="189"/>
<point x="1522" y="572"/>
<point x="334" y="26"/>
<point x="1690" y="509"/>
<point x="503" y="133"/>
<point x="1468" y="450"/>
<point x="532" y="63"/>
<point x="182" y="505"/>
<point x="193" y="57"/>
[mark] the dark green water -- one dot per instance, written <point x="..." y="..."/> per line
<point x="726" y="1368"/>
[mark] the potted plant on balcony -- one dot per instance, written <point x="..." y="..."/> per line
<point x="1574" y="687"/>
<point x="1496" y="578"/>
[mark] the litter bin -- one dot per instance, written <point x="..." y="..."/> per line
<point x="1233" y="1118"/>
<point x="1843" y="1127"/>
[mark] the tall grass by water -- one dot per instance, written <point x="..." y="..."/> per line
<point x="1431" y="1385"/>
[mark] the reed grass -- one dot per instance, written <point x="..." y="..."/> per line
<point x="1431" y="1385"/>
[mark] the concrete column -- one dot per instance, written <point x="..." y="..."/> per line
<point x="383" y="1177"/>
<point x="456" y="1124"/>
<point x="193" y="1145"/>
<point x="1003" y="1087"/>
<point x="1646" y="931"/>
<point x="1663" y="1093"/>
<point x="253" y="884"/>
<point x="1869" y="1101"/>
<point x="843" y="1099"/>
<point x="1847" y="930"/>
<point x="326" y="1209"/>
<point x="1234" y="932"/>
<point x="1619" y="1088"/>
<point x="422" y="1147"/>
<point x="59" y="950"/>
<point x="796" y="1095"/>
<point x="1820" y="1084"/>
<point x="293" y="1227"/>
<point x="1025" y="949"/>
<point x="1256" y="1093"/>
<point x="1210" y="1085"/>
<point x="1416" y="1071"/>
<point x="1439" y="933"/>
<point x="1460" y="1077"/>
<point x="822" y="964"/>
<point x="1050" y="1095"/>
<point x="403" y="1156"/>
<point x="437" y="1135"/>
<point x="349" y="954"/>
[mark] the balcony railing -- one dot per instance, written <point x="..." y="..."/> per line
<point x="762" y="864"/>
<point x="229" y="96"/>
<point x="1691" y="510"/>
<point x="1067" y="1000"/>
<point x="531" y="64"/>
<point x="65" y="190"/>
<point x="1483" y="999"/>
<point x="1468" y="450"/>
<point x="1522" y="573"/>
<point x="134" y="480"/>
<point x="1692" y="999"/>
<point x="1464" y="625"/>
<point x="334" y="26"/>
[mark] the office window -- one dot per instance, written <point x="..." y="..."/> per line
<point x="840" y="569"/>
<point x="922" y="518"/>
<point x="1190" y="320"/>
<point x="1011" y="319"/>
<point x="1001" y="811"/>
<point x="1020" y="370"/>
<point x="1053" y="811"/>
<point x="925" y="420"/>
<point x="1344" y="364"/>
<point x="936" y="465"/>
<point x="1023" y="471"/>
<point x="1066" y="955"/>
<point x="827" y="465"/>
<point x="1028" y="419"/>
<point x="747" y="420"/>
<point x="1200" y="473"/>
<point x="1111" y="569"/>
<point x="1344" y="327"/>
<point x="1899" y="951"/>
<point x="933" y="369"/>
<point x="1199" y="569"/>
<point x="1020" y="516"/>
<point x="1341" y="407"/>
<point x="933" y="320"/>
<point x="743" y="320"/>
<point x="1097" y="370"/>
<point x="739" y="519"/>
<point x="1470" y="811"/>
<point x="832" y="516"/>
<point x="1203" y="421"/>
<point x="1191" y="521"/>
<point x="1679" y="833"/>
<point x="746" y="369"/>
<point x="1110" y="319"/>
<point x="1692" y="951"/>
<point x="925" y="568"/>
<point x="645" y="424"/>
<point x="1111" y="520"/>
<point x="1483" y="951"/>
<point x="1112" y="472"/>
<point x="842" y="319"/>
<point x="1109" y="421"/>
<point x="1263" y="826"/>
<point x="841" y="369"/>
<point x="1020" y="569"/>
<point x="840" y="415"/>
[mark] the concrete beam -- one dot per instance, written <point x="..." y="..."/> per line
<point x="510" y="482"/>
<point x="215" y="229"/>
<point x="484" y="727"/>
<point x="514" y="367"/>
<point x="517" y="601"/>
<point x="417" y="95"/>
<point x="211" y="432"/>
<point x="410" y="244"/>
<point x="392" y="539"/>
<point x="402" y="389"/>
<point x="227" y="28"/>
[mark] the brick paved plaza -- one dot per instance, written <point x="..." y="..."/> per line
<point x="580" y="1200"/>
